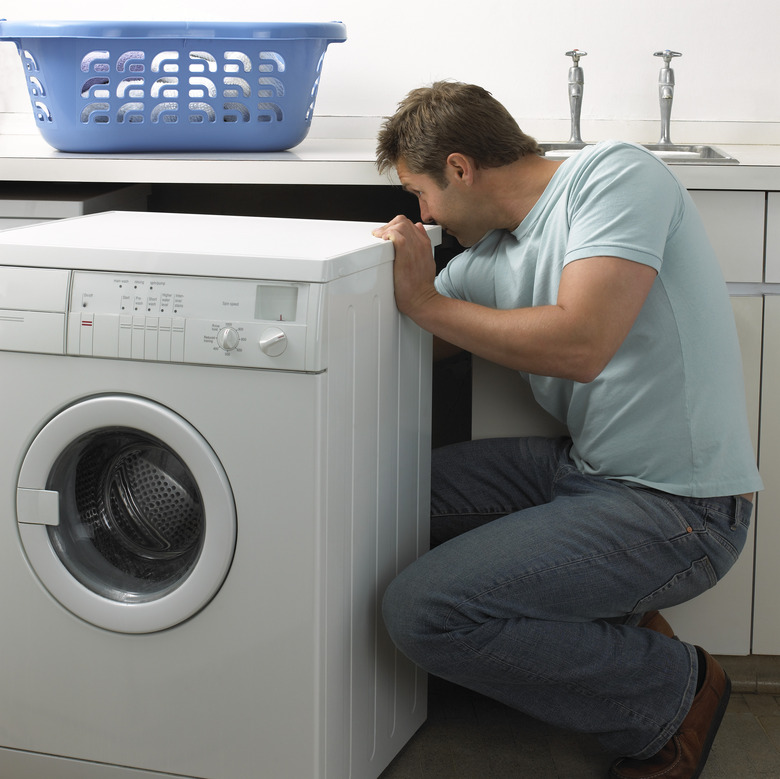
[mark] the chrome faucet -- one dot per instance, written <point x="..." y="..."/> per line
<point x="576" y="84"/>
<point x="666" y="93"/>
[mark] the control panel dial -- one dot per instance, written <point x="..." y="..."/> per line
<point x="228" y="338"/>
<point x="273" y="341"/>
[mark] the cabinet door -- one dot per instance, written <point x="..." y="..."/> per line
<point x="773" y="237"/>
<point x="766" y="627"/>
<point x="720" y="619"/>
<point x="502" y="405"/>
<point x="7" y="223"/>
<point x="735" y="225"/>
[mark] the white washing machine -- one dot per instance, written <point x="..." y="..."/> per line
<point x="215" y="450"/>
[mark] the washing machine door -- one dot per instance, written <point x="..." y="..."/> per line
<point x="126" y="514"/>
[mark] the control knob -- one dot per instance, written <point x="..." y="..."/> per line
<point x="273" y="341"/>
<point x="228" y="338"/>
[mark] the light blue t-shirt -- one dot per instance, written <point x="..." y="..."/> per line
<point x="668" y="411"/>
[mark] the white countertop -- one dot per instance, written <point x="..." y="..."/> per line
<point x="25" y="156"/>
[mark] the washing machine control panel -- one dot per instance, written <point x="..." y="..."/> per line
<point x="208" y="321"/>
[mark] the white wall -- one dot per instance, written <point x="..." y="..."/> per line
<point x="515" y="49"/>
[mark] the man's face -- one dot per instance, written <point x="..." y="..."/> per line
<point x="448" y="206"/>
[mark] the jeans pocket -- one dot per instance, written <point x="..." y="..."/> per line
<point x="730" y="533"/>
<point x="681" y="587"/>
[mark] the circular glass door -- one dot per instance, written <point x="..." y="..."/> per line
<point x="126" y="514"/>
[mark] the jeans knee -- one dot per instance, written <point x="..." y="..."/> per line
<point x="396" y="611"/>
<point x="409" y="618"/>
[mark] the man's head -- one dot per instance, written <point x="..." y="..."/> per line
<point x="450" y="117"/>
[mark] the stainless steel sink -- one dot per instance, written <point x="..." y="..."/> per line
<point x="691" y="153"/>
<point x="680" y="154"/>
<point x="559" y="151"/>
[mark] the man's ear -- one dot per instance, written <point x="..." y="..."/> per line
<point x="461" y="168"/>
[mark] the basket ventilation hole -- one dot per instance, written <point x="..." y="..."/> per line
<point x="161" y="62"/>
<point x="129" y="86"/>
<point x="243" y="87"/>
<point x="268" y="81"/>
<point x="202" y="81"/>
<point x="92" y="82"/>
<point x="206" y="110"/>
<point x="274" y="57"/>
<point x="92" y="61"/>
<point x="203" y="60"/>
<point x="273" y="108"/>
<point x="36" y="88"/>
<point x="29" y="61"/>
<point x="131" y="57"/>
<point x="237" y="108"/>
<point x="42" y="112"/>
<point x="163" y="111"/>
<point x="241" y="60"/>
<point x="165" y="85"/>
<point x="133" y="112"/>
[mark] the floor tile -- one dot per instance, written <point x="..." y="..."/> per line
<point x="468" y="736"/>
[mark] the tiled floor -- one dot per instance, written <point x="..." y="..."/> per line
<point x="468" y="736"/>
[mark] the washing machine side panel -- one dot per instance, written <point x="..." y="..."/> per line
<point x="236" y="686"/>
<point x="378" y="459"/>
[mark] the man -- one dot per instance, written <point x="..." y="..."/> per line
<point x="593" y="277"/>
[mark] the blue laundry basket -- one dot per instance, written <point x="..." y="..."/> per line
<point x="172" y="86"/>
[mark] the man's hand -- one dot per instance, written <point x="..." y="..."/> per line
<point x="414" y="269"/>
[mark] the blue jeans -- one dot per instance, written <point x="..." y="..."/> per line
<point x="538" y="577"/>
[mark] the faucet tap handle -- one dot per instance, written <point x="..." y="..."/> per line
<point x="576" y="85"/>
<point x="666" y="93"/>
<point x="667" y="54"/>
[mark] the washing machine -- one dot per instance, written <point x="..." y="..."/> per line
<point x="215" y="456"/>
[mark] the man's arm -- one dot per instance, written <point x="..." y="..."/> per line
<point x="599" y="298"/>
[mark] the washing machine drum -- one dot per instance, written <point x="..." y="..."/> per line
<point x="130" y="529"/>
<point x="141" y="511"/>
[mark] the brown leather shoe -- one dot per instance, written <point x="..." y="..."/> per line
<point x="684" y="755"/>
<point x="654" y="620"/>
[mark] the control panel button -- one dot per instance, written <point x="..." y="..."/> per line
<point x="228" y="338"/>
<point x="273" y="341"/>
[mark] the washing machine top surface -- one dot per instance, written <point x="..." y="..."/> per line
<point x="201" y="245"/>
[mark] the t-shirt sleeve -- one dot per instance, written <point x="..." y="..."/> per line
<point x="625" y="203"/>
<point x="470" y="275"/>
<point x="443" y="283"/>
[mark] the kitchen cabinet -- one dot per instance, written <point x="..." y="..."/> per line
<point x="23" y="204"/>
<point x="502" y="405"/>
<point x="773" y="238"/>
<point x="766" y="629"/>
<point x="766" y="619"/>
<point x="734" y="222"/>
<point x="720" y="619"/>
